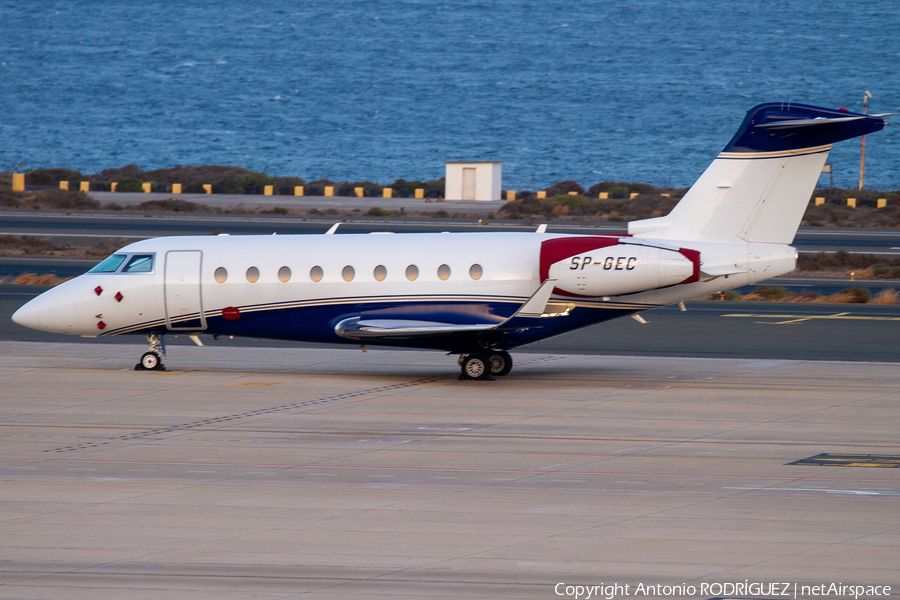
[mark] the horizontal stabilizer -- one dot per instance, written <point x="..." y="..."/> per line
<point x="786" y="126"/>
<point x="818" y="121"/>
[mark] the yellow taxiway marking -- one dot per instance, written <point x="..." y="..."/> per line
<point x="254" y="384"/>
<point x="801" y="318"/>
<point x="851" y="460"/>
<point x="178" y="372"/>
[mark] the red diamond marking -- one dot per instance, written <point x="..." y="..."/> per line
<point x="98" y="290"/>
<point x="101" y="325"/>
<point x="119" y="296"/>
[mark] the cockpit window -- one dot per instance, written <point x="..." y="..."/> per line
<point x="110" y="264"/>
<point x="139" y="263"/>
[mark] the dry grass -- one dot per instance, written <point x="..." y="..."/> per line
<point x="35" y="279"/>
<point x="776" y="294"/>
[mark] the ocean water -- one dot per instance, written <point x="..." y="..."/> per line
<point x="590" y="90"/>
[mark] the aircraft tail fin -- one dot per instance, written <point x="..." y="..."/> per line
<point x="757" y="188"/>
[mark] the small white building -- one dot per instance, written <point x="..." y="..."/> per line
<point x="473" y="180"/>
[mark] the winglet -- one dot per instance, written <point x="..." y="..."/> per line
<point x="333" y="229"/>
<point x="536" y="305"/>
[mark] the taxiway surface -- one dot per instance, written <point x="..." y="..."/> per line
<point x="282" y="473"/>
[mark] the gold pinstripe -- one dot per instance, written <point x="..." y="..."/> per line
<point x="783" y="153"/>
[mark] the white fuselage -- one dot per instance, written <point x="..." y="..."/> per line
<point x="485" y="277"/>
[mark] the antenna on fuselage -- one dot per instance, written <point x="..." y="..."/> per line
<point x="542" y="228"/>
<point x="333" y="229"/>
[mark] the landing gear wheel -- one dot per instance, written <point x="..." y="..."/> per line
<point x="150" y="361"/>
<point x="476" y="366"/>
<point x="501" y="363"/>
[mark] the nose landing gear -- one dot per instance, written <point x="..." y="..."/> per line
<point x="152" y="359"/>
<point x="486" y="365"/>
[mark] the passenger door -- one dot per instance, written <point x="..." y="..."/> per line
<point x="184" y="302"/>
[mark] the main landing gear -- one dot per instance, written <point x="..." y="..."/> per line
<point x="485" y="365"/>
<point x="152" y="359"/>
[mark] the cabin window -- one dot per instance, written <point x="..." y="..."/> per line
<point x="380" y="273"/>
<point x="412" y="272"/>
<point x="315" y="274"/>
<point x="444" y="272"/>
<point x="221" y="275"/>
<point x="139" y="263"/>
<point x="475" y="272"/>
<point x="348" y="273"/>
<point x="110" y="264"/>
<point x="252" y="274"/>
<point x="284" y="274"/>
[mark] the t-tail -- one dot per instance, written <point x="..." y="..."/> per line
<point x="758" y="187"/>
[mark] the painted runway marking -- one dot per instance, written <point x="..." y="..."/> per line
<point x="791" y="319"/>
<point x="826" y="490"/>
<point x="884" y="461"/>
<point x="254" y="384"/>
<point x="252" y="413"/>
<point x="445" y="428"/>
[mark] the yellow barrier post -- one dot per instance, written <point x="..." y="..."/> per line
<point x="387" y="193"/>
<point x="851" y="202"/>
<point x="541" y="195"/>
<point x="298" y="190"/>
<point x="207" y="187"/>
<point x="145" y="187"/>
<point x="176" y="188"/>
<point x="18" y="182"/>
<point x="820" y="200"/>
<point x="268" y="190"/>
<point x="604" y="195"/>
<point x="882" y="203"/>
<point x="510" y="195"/>
<point x="359" y="192"/>
<point x="84" y="186"/>
<point x="633" y="195"/>
<point x="573" y="193"/>
<point x="64" y="185"/>
<point x="420" y="193"/>
<point x="329" y="190"/>
<point x="666" y="195"/>
<point x="113" y="186"/>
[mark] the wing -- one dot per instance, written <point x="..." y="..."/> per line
<point x="359" y="328"/>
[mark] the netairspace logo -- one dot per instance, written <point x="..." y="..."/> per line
<point x="746" y="589"/>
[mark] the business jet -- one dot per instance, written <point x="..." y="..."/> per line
<point x="477" y="295"/>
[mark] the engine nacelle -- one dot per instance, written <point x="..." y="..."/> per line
<point x="622" y="269"/>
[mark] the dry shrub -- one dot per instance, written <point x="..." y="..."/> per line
<point x="886" y="296"/>
<point x="24" y="278"/>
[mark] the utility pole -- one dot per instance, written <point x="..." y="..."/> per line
<point x="862" y="154"/>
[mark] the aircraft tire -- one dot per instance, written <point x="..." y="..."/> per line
<point x="501" y="363"/>
<point x="476" y="366"/>
<point x="150" y="361"/>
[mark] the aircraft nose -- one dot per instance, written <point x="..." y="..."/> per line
<point x="29" y="315"/>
